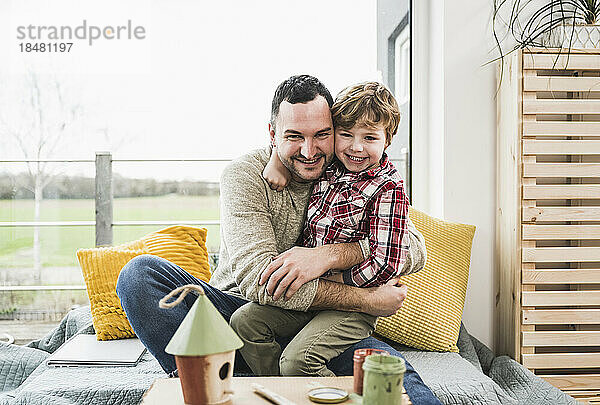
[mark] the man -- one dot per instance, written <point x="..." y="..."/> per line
<point x="258" y="224"/>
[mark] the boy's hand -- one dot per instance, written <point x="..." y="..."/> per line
<point x="275" y="173"/>
<point x="277" y="180"/>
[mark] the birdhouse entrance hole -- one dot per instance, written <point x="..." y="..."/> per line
<point x="224" y="371"/>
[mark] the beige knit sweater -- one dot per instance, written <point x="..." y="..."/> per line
<point x="258" y="223"/>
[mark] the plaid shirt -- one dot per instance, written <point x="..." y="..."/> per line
<point x="349" y="207"/>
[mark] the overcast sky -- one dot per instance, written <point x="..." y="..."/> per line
<point x="198" y="86"/>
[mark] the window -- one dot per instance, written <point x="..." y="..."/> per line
<point x="402" y="66"/>
<point x="171" y="109"/>
<point x="394" y="61"/>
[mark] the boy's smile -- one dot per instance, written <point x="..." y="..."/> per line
<point x="360" y="147"/>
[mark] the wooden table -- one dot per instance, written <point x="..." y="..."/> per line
<point x="168" y="390"/>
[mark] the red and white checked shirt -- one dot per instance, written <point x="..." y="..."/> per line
<point x="349" y="207"/>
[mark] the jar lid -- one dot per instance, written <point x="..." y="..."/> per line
<point x="384" y="364"/>
<point x="327" y="395"/>
<point x="360" y="354"/>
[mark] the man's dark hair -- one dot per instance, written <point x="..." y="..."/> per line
<point x="298" y="89"/>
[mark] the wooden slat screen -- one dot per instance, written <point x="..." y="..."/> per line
<point x="560" y="219"/>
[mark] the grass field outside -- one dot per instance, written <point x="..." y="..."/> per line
<point x="59" y="244"/>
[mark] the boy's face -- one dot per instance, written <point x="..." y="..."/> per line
<point x="360" y="148"/>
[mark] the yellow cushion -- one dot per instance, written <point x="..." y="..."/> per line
<point x="183" y="245"/>
<point x="430" y="316"/>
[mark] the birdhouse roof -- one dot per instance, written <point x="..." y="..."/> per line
<point x="203" y="331"/>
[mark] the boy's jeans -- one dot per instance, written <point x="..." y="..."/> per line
<point x="146" y="279"/>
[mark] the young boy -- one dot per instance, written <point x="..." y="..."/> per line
<point x="359" y="198"/>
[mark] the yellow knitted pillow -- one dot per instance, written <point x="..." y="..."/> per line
<point x="182" y="245"/>
<point x="430" y="316"/>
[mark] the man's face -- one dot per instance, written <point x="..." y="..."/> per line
<point x="303" y="138"/>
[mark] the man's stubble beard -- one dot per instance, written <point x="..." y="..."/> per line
<point x="289" y="164"/>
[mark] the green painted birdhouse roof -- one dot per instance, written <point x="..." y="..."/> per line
<point x="203" y="331"/>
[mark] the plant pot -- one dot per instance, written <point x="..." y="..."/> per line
<point x="583" y="36"/>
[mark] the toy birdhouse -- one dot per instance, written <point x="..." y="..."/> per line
<point x="204" y="347"/>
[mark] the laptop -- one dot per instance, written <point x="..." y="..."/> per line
<point x="86" y="351"/>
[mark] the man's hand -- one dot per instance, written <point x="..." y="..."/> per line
<point x="387" y="299"/>
<point x="292" y="268"/>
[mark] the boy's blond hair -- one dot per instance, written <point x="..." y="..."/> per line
<point x="370" y="104"/>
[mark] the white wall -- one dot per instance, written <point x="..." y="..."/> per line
<point x="454" y="159"/>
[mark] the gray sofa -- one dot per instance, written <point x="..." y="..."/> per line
<point x="473" y="376"/>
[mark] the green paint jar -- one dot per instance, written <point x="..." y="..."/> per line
<point x="382" y="384"/>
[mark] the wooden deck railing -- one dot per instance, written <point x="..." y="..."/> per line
<point x="104" y="222"/>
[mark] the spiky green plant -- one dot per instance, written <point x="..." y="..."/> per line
<point x="529" y="22"/>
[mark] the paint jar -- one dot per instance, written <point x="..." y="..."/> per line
<point x="382" y="384"/>
<point x="359" y="358"/>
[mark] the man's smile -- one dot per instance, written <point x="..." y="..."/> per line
<point x="309" y="162"/>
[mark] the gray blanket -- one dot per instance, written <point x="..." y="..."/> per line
<point x="473" y="377"/>
<point x="25" y="378"/>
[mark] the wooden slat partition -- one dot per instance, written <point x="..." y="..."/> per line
<point x="560" y="316"/>
<point x="561" y="192"/>
<point x="560" y="338"/>
<point x="507" y="311"/>
<point x="545" y="232"/>
<point x="562" y="276"/>
<point x="574" y="381"/>
<point x="548" y="221"/>
<point x="561" y="170"/>
<point x="585" y="397"/>
<point x="561" y="107"/>
<point x="552" y="61"/>
<point x="557" y="83"/>
<point x="561" y="360"/>
<point x="560" y="298"/>
<point x="560" y="147"/>
<point x="561" y="128"/>
<point x="538" y="214"/>
<point x="561" y="254"/>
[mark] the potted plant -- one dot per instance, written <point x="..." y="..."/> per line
<point x="581" y="31"/>
<point x="562" y="24"/>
